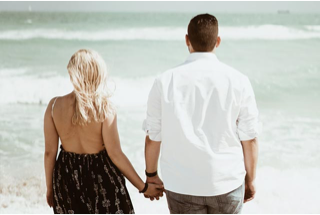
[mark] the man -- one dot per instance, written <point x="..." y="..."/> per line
<point x="204" y="116"/>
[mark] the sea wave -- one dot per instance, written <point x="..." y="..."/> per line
<point x="263" y="32"/>
<point x="22" y="86"/>
<point x="39" y="90"/>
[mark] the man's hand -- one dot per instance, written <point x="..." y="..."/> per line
<point x="250" y="152"/>
<point x="155" y="180"/>
<point x="152" y="152"/>
<point x="250" y="191"/>
<point x="154" y="191"/>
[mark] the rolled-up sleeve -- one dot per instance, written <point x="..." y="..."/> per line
<point x="248" y="122"/>
<point x="152" y="124"/>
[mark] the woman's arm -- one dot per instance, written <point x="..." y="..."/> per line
<point x="51" y="147"/>
<point x="112" y="143"/>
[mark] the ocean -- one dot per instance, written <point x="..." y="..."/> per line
<point x="278" y="52"/>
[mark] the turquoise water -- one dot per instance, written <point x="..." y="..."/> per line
<point x="278" y="52"/>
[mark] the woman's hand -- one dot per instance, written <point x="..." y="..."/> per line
<point x="154" y="191"/>
<point x="50" y="198"/>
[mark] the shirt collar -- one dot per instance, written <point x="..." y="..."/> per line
<point x="201" y="55"/>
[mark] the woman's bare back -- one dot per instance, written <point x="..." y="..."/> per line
<point x="75" y="138"/>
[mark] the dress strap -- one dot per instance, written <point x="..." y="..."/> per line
<point x="53" y="106"/>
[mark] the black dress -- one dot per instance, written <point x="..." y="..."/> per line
<point x="89" y="183"/>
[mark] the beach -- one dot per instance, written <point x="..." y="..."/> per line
<point x="278" y="52"/>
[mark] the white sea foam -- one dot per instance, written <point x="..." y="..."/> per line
<point x="39" y="90"/>
<point x="268" y="32"/>
<point x="264" y="32"/>
<point x="12" y="72"/>
<point x="313" y="27"/>
<point x="30" y="90"/>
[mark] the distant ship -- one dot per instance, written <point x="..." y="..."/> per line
<point x="283" y="12"/>
<point x="30" y="8"/>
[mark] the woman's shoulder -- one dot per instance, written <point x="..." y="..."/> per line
<point x="66" y="97"/>
<point x="58" y="99"/>
<point x="111" y="119"/>
<point x="51" y="103"/>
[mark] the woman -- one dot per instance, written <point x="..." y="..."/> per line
<point x="87" y="176"/>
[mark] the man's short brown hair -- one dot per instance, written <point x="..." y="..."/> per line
<point x="203" y="32"/>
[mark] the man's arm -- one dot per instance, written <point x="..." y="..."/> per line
<point x="152" y="152"/>
<point x="152" y="127"/>
<point x="248" y="131"/>
<point x="250" y="151"/>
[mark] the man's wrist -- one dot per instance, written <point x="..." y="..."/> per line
<point x="151" y="174"/>
<point x="249" y="179"/>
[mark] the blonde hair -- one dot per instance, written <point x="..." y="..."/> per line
<point x="88" y="74"/>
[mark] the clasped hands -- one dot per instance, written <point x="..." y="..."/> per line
<point x="155" y="188"/>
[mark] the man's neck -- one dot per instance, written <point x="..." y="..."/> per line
<point x="212" y="52"/>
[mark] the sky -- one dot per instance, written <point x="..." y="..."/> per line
<point x="227" y="7"/>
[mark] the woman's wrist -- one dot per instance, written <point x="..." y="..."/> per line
<point x="145" y="188"/>
<point x="140" y="185"/>
<point x="49" y="186"/>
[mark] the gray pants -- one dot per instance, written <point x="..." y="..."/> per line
<point x="229" y="203"/>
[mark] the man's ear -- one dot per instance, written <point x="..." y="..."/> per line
<point x="187" y="40"/>
<point x="218" y="42"/>
<point x="188" y="43"/>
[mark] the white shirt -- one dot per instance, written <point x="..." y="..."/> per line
<point x="200" y="111"/>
